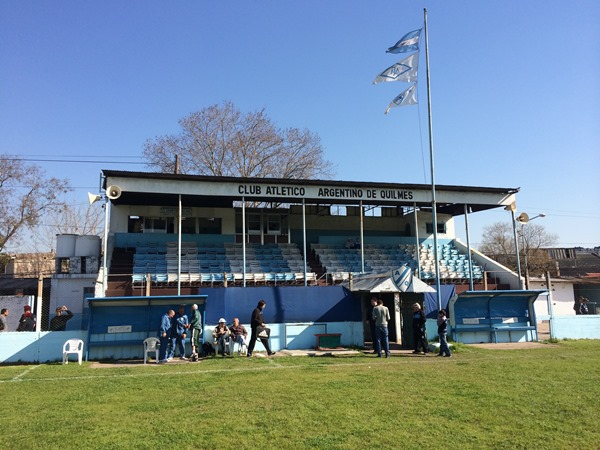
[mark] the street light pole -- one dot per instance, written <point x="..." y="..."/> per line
<point x="512" y="208"/>
<point x="524" y="219"/>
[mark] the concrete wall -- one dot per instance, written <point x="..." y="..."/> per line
<point x="562" y="299"/>
<point x="503" y="273"/>
<point x="32" y="347"/>
<point x="47" y="346"/>
<point x="575" y="327"/>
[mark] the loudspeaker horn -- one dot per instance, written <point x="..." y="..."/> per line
<point x="92" y="198"/>
<point x="113" y="192"/>
<point x="523" y="218"/>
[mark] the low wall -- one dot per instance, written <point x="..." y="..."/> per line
<point x="575" y="327"/>
<point x="33" y="347"/>
<point x="46" y="346"/>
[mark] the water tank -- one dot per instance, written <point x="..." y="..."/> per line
<point x="87" y="246"/>
<point x="65" y="245"/>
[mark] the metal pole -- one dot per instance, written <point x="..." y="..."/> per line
<point x="38" y="305"/>
<point x="244" y="239"/>
<point x="433" y="200"/>
<point x="469" y="247"/>
<point x="512" y="214"/>
<point x="179" y="213"/>
<point x="105" y="248"/>
<point x="304" y="238"/>
<point x="418" y="255"/>
<point x="524" y="243"/>
<point x="550" y="308"/>
<point x="362" y="238"/>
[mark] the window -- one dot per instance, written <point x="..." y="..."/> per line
<point x="274" y="224"/>
<point x="209" y="225"/>
<point x="253" y="223"/>
<point x="155" y="225"/>
<point x="188" y="225"/>
<point x="441" y="227"/>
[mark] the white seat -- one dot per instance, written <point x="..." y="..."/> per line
<point x="73" y="347"/>
<point x="242" y="349"/>
<point x="151" y="344"/>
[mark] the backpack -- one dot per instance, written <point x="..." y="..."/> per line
<point x="207" y="349"/>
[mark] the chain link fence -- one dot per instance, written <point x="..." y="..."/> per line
<point x="18" y="293"/>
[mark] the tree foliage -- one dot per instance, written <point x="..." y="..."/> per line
<point x="498" y="244"/>
<point x="220" y="140"/>
<point x="26" y="195"/>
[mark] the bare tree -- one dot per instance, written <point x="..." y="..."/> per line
<point x="73" y="218"/>
<point x="533" y="239"/>
<point x="220" y="140"/>
<point x="26" y="194"/>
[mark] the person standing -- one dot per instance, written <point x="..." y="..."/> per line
<point x="442" y="322"/>
<point x="179" y="333"/>
<point x="3" y="321"/>
<point x="195" y="331"/>
<point x="418" y="323"/>
<point x="381" y="315"/>
<point x="583" y="306"/>
<point x="257" y="322"/>
<point x="59" y="322"/>
<point x="27" y="320"/>
<point x="164" y="334"/>
<point x="371" y="321"/>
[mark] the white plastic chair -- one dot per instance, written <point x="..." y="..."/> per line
<point x="151" y="344"/>
<point x="242" y="349"/>
<point x="73" y="347"/>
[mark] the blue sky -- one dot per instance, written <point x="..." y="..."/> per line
<point x="515" y="89"/>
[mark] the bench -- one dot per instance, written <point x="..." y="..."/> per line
<point x="115" y="343"/>
<point x="516" y="327"/>
<point x="473" y="328"/>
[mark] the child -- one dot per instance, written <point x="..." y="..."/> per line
<point x="442" y="325"/>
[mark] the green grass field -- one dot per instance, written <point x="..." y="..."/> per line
<point x="539" y="398"/>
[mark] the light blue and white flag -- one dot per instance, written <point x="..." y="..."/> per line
<point x="405" y="70"/>
<point x="408" y="43"/>
<point x="408" y="97"/>
<point x="403" y="278"/>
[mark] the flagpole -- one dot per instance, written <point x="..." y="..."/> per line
<point x="433" y="200"/>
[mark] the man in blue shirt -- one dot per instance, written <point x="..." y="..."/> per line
<point x="179" y="333"/>
<point x="164" y="334"/>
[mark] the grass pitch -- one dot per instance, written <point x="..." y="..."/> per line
<point x="527" y="398"/>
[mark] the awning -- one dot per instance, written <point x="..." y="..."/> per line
<point x="384" y="282"/>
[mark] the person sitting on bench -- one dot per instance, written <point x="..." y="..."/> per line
<point x="221" y="335"/>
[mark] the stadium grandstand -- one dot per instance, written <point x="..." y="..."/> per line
<point x="169" y="231"/>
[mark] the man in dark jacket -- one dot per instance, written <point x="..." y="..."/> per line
<point x="257" y="322"/>
<point x="59" y="322"/>
<point x="418" y="323"/>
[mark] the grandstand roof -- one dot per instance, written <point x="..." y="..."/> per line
<point x="146" y="188"/>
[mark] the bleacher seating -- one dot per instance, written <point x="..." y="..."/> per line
<point x="339" y="261"/>
<point x="219" y="263"/>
